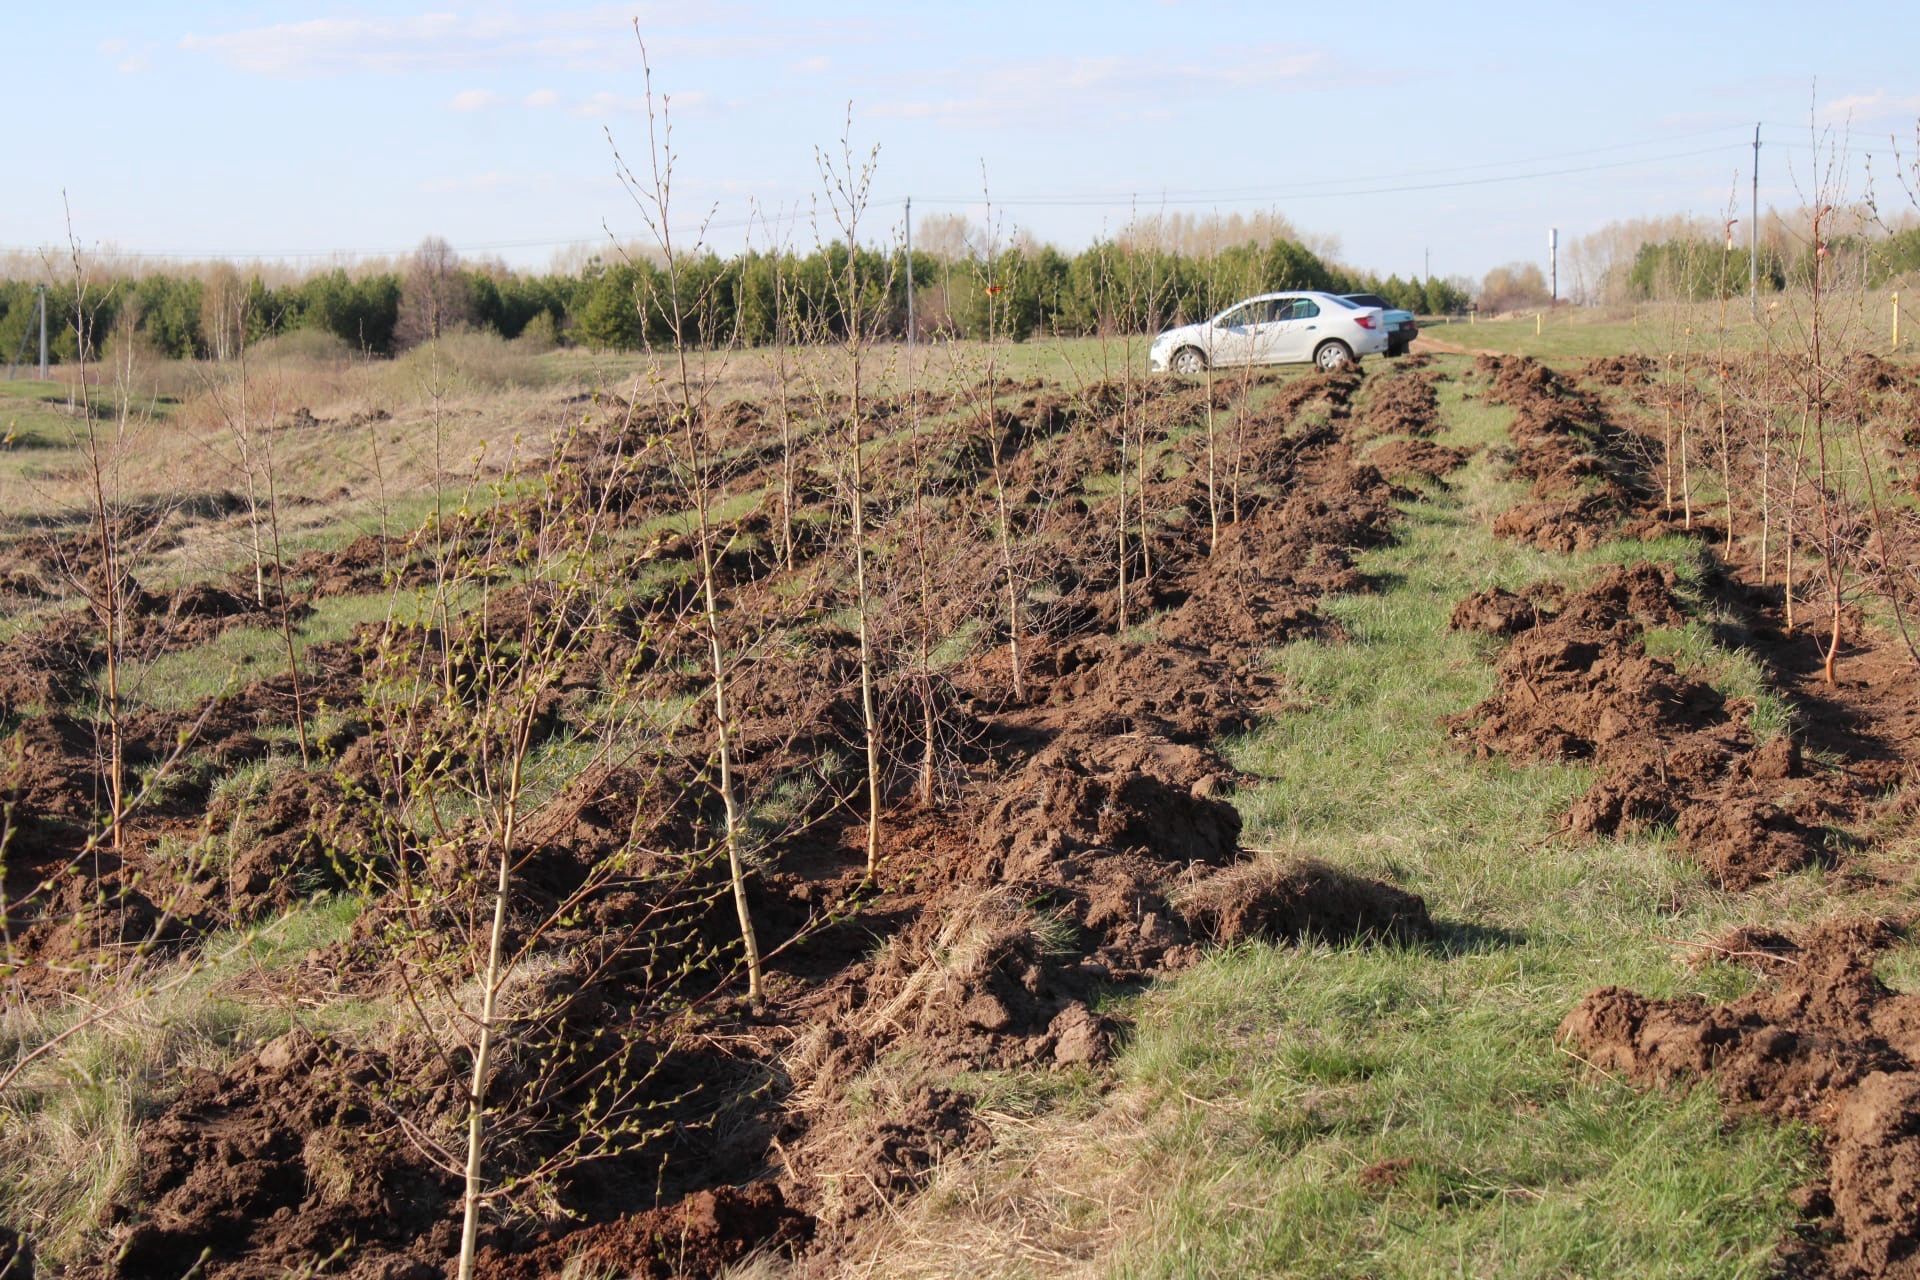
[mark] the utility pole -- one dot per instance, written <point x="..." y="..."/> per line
<point x="43" y="333"/>
<point x="1753" y="232"/>
<point x="1553" y="264"/>
<point x="909" y="273"/>
<point x="1427" y="258"/>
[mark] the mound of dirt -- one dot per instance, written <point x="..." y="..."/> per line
<point x="1405" y="404"/>
<point x="283" y="1158"/>
<point x="1304" y="898"/>
<point x="1496" y="612"/>
<point x="1631" y="369"/>
<point x="1668" y="749"/>
<point x="1131" y="792"/>
<point x="703" y="1235"/>
<point x="1585" y="475"/>
<point x="1824" y="1042"/>
<point x="1170" y="690"/>
<point x="1417" y="457"/>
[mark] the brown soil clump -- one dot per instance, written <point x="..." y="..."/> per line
<point x="1584" y="475"/>
<point x="1497" y="612"/>
<point x="702" y="1235"/>
<point x="1305" y="898"/>
<point x="1405" y="404"/>
<point x="283" y="1158"/>
<point x="1668" y="748"/>
<point x="1629" y="370"/>
<point x="1822" y="1041"/>
<point x="1417" y="457"/>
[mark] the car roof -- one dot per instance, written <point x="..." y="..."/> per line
<point x="1283" y="293"/>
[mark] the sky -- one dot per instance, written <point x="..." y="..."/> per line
<point x="1454" y="134"/>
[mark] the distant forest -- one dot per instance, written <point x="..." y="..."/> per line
<point x="750" y="299"/>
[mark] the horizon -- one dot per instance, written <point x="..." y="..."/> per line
<point x="493" y="125"/>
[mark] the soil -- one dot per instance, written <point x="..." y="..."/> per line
<point x="1406" y="404"/>
<point x="1821" y="1040"/>
<point x="1417" y="457"/>
<point x="1082" y="837"/>
<point x="1667" y="749"/>
<point x="1619" y="371"/>
<point x="1499" y="612"/>
<point x="1584" y="473"/>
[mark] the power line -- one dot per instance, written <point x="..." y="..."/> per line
<point x="1297" y="193"/>
<point x="1307" y="190"/>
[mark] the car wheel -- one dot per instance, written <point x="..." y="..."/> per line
<point x="1333" y="355"/>
<point x="1189" y="360"/>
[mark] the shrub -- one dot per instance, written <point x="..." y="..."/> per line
<point x="465" y="360"/>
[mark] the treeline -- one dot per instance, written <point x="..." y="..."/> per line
<point x="185" y="317"/>
<point x="752" y="299"/>
<point x="1699" y="268"/>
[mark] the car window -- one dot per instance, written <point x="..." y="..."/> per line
<point x="1305" y="308"/>
<point x="1240" y="315"/>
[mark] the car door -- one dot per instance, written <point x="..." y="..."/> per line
<point x="1275" y="335"/>
<point x="1235" y="332"/>
<point x="1295" y="340"/>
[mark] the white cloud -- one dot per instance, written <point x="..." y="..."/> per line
<point x="127" y="60"/>
<point x="475" y="100"/>
<point x="1112" y="88"/>
<point x="605" y="103"/>
<point x="1864" y="107"/>
<point x="540" y="99"/>
<point x="814" y="65"/>
<point x="509" y="34"/>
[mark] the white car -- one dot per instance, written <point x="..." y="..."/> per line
<point x="1296" y="327"/>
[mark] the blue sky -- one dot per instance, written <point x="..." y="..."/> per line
<point x="283" y="128"/>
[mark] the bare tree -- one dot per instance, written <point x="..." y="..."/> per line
<point x="435" y="297"/>
<point x="848" y="185"/>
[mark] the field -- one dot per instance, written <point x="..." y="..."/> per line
<point x="970" y="810"/>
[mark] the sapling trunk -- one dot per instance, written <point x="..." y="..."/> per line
<point x="723" y="746"/>
<point x="1213" y="492"/>
<point x="848" y="192"/>
<point x="786" y="414"/>
<point x="855" y="443"/>
<point x="1003" y="516"/>
<point x="483" y="1051"/>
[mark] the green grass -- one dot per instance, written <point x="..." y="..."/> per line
<point x="1257" y="1086"/>
<point x="69" y="1123"/>
<point x="1654" y="328"/>
<point x="1312" y="1063"/>
<point x="239" y="655"/>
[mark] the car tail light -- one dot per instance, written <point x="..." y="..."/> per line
<point x="1364" y="319"/>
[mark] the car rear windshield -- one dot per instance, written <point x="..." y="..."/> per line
<point x="1368" y="300"/>
<point x="1348" y="303"/>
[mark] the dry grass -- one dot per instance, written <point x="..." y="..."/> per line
<point x="69" y="1122"/>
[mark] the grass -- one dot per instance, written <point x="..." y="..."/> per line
<point x="1566" y="332"/>
<point x="1258" y="1086"/>
<point x="69" y="1123"/>
<point x="240" y="655"/>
